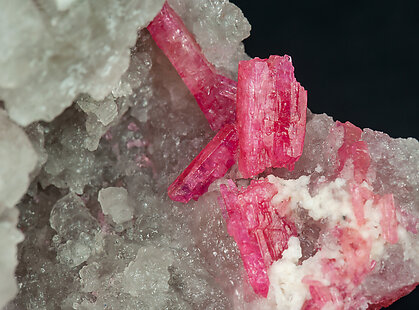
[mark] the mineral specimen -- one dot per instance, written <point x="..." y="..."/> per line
<point x="116" y="149"/>
<point x="214" y="93"/>
<point x="211" y="164"/>
<point x="271" y="115"/>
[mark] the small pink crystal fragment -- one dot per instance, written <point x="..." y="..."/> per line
<point x="360" y="194"/>
<point x="354" y="149"/>
<point x="212" y="163"/>
<point x="388" y="220"/>
<point x="260" y="232"/>
<point x="136" y="143"/>
<point x="356" y="251"/>
<point x="271" y="115"/>
<point x="214" y="93"/>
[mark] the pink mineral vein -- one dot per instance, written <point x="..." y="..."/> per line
<point x="259" y="230"/>
<point x="271" y="115"/>
<point x="214" y="93"/>
<point x="212" y="163"/>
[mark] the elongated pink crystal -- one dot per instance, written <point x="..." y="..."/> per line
<point x="259" y="230"/>
<point x="271" y="115"/>
<point x="354" y="149"/>
<point x="212" y="163"/>
<point x="214" y="93"/>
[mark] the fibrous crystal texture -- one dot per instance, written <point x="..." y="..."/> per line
<point x="271" y="115"/>
<point x="99" y="228"/>
<point x="261" y="232"/>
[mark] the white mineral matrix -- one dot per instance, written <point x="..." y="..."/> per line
<point x="95" y="123"/>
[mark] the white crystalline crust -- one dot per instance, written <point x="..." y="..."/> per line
<point x="15" y="147"/>
<point x="96" y="216"/>
<point x="50" y="51"/>
<point x="151" y="128"/>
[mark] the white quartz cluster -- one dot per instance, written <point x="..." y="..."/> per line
<point x="52" y="50"/>
<point x="109" y="124"/>
<point x="17" y="160"/>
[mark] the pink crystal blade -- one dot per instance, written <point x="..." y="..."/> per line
<point x="261" y="234"/>
<point x="354" y="149"/>
<point x="388" y="218"/>
<point x="214" y="93"/>
<point x="212" y="163"/>
<point x="271" y="115"/>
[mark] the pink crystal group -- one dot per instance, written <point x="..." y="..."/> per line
<point x="261" y="123"/>
<point x="270" y="104"/>
<point x="259" y="229"/>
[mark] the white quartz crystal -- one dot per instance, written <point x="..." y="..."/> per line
<point x="114" y="202"/>
<point x="15" y="148"/>
<point x="76" y="230"/>
<point x="9" y="238"/>
<point x="17" y="160"/>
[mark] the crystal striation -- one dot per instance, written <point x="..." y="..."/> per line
<point x="211" y="164"/>
<point x="214" y="93"/>
<point x="260" y="231"/>
<point x="271" y="115"/>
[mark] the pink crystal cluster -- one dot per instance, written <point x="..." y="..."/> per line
<point x="261" y="123"/>
<point x="353" y="164"/>
<point x="354" y="153"/>
<point x="271" y="126"/>
<point x="260" y="230"/>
